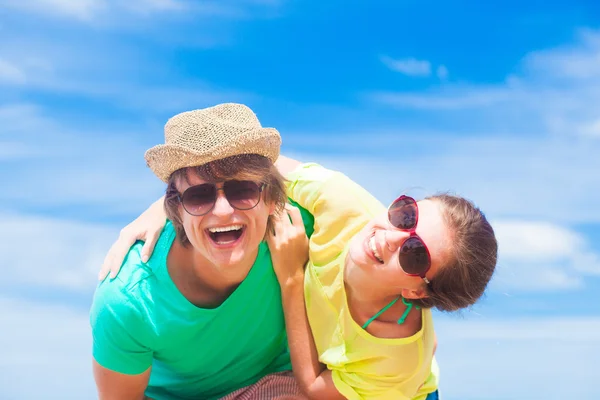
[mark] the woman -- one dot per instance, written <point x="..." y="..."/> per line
<point x="362" y="307"/>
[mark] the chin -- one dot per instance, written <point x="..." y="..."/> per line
<point x="227" y="261"/>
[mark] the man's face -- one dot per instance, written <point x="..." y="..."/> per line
<point x="226" y="237"/>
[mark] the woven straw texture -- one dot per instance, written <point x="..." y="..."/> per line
<point x="198" y="137"/>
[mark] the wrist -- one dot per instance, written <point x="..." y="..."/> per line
<point x="292" y="281"/>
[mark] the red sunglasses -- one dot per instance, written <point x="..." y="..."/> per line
<point x="414" y="256"/>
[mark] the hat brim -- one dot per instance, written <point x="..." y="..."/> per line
<point x="164" y="159"/>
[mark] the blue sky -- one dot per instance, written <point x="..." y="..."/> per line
<point x="496" y="102"/>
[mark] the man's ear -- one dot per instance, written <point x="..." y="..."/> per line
<point x="272" y="207"/>
<point x="414" y="294"/>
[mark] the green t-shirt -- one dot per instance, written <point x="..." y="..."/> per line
<point x="140" y="319"/>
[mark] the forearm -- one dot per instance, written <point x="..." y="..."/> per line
<point x="303" y="352"/>
<point x="158" y="205"/>
<point x="285" y="165"/>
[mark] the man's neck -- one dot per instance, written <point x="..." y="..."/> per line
<point x="202" y="283"/>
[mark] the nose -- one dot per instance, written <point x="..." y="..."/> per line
<point x="395" y="238"/>
<point x="222" y="206"/>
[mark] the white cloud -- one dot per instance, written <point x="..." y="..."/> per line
<point x="55" y="253"/>
<point x="575" y="62"/>
<point x="11" y="74"/>
<point x="556" y="90"/>
<point x="82" y="10"/>
<point x="500" y="358"/>
<point x="408" y="66"/>
<point x="91" y="10"/>
<point x="109" y="12"/>
<point x="525" y="240"/>
<point x="23" y="118"/>
<point x="103" y="70"/>
<point x="542" y="256"/>
<point x="104" y="169"/>
<point x="46" y="350"/>
<point x="591" y="128"/>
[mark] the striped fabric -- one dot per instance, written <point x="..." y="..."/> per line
<point x="280" y="386"/>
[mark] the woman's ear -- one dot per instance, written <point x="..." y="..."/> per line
<point x="414" y="294"/>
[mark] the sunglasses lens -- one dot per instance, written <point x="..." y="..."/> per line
<point x="414" y="258"/>
<point x="198" y="200"/>
<point x="242" y="195"/>
<point x="403" y="213"/>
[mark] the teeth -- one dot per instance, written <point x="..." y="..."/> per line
<point x="225" y="228"/>
<point x="374" y="248"/>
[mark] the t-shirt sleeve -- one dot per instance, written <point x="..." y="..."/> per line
<point x="122" y="338"/>
<point x="340" y="208"/>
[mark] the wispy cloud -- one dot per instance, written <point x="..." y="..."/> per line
<point x="580" y="61"/>
<point x="491" y="359"/>
<point x="108" y="13"/>
<point x="542" y="256"/>
<point x="105" y="74"/>
<point x="408" y="66"/>
<point x="537" y="240"/>
<point x="82" y="10"/>
<point x="557" y="88"/>
<point x="104" y="169"/>
<point x="415" y="67"/>
<point x="50" y="342"/>
<point x="591" y="129"/>
<point x="11" y="74"/>
<point x="67" y="254"/>
<point x="95" y="66"/>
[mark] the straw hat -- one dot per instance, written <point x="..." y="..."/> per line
<point x="198" y="137"/>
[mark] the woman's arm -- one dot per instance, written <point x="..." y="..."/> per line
<point x="314" y="379"/>
<point x="147" y="227"/>
<point x="289" y="252"/>
<point x="285" y="165"/>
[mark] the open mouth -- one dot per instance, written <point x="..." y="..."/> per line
<point x="223" y="235"/>
<point x="373" y="249"/>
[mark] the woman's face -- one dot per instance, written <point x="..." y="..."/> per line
<point x="375" y="249"/>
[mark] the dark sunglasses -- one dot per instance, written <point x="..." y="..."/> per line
<point x="200" y="199"/>
<point x="415" y="259"/>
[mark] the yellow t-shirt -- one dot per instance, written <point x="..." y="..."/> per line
<point x="363" y="366"/>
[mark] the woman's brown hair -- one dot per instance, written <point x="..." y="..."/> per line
<point x="463" y="279"/>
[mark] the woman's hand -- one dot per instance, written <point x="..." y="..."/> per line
<point x="289" y="246"/>
<point x="146" y="227"/>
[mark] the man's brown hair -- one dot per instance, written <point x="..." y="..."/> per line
<point x="251" y="167"/>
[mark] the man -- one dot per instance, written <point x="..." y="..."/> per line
<point x="202" y="318"/>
